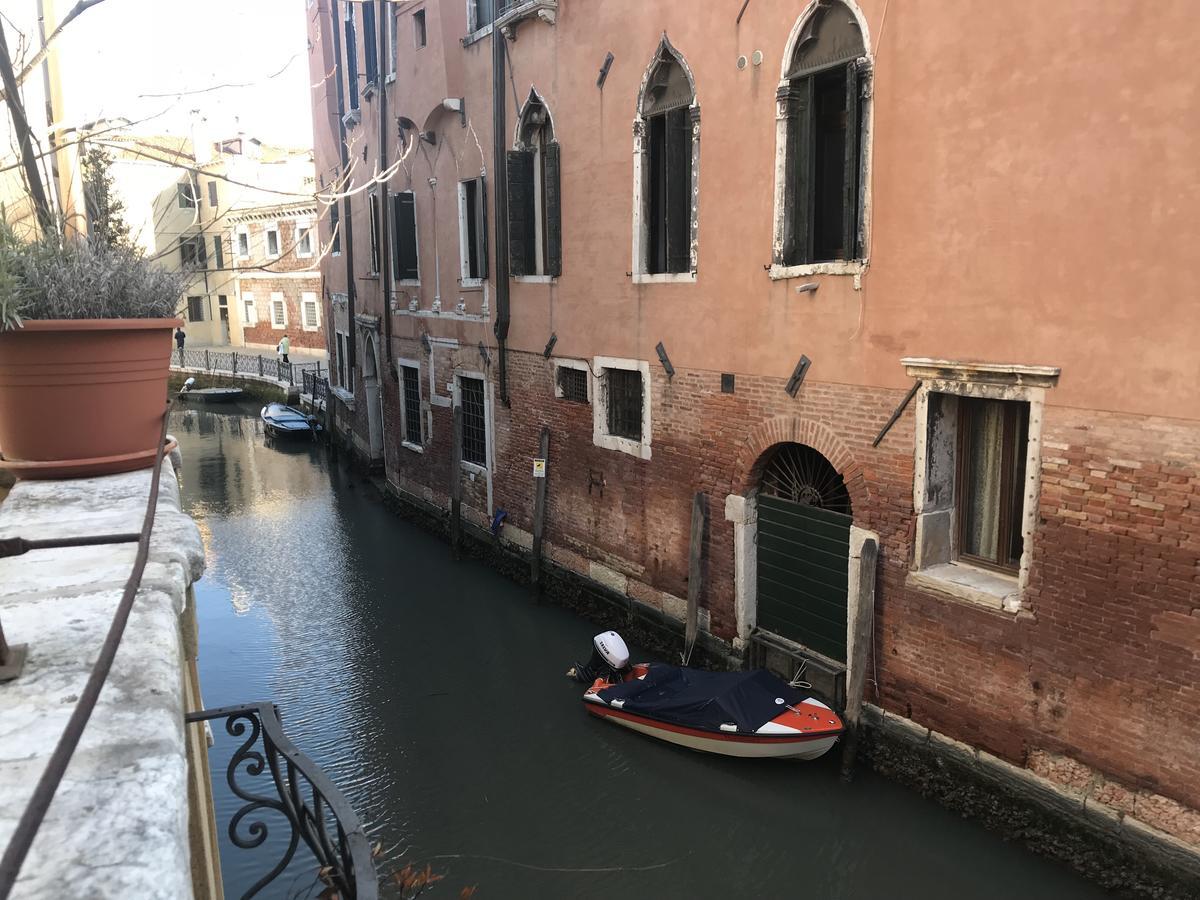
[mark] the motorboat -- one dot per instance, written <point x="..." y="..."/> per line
<point x="280" y="420"/>
<point x="208" y="395"/>
<point x="745" y="714"/>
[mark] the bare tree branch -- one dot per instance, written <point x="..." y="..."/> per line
<point x="81" y="7"/>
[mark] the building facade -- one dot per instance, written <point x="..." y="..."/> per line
<point x="841" y="275"/>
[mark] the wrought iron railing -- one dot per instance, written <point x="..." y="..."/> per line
<point x="315" y="385"/>
<point x="227" y="362"/>
<point x="310" y="805"/>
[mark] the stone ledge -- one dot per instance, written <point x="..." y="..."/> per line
<point x="118" y="826"/>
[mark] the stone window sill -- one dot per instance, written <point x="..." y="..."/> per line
<point x="477" y="35"/>
<point x="980" y="587"/>
<point x="840" y="267"/>
<point x="534" y="279"/>
<point x="665" y="278"/>
<point x="344" y="395"/>
<point x="415" y="448"/>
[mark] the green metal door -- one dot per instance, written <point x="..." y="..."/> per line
<point x="803" y="552"/>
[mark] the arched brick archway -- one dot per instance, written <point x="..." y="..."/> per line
<point x="748" y="465"/>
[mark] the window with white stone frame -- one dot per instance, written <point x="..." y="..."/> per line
<point x="310" y="311"/>
<point x="621" y="405"/>
<point x="410" y="406"/>
<point x="822" y="131"/>
<point x="278" y="310"/>
<point x="243" y="242"/>
<point x="572" y="380"/>
<point x="666" y="162"/>
<point x="249" y="310"/>
<point x="304" y="238"/>
<point x="977" y="477"/>
<point x="271" y="240"/>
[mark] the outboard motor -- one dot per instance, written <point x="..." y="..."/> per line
<point x="187" y="385"/>
<point x="610" y="660"/>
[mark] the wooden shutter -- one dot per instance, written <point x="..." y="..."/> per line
<point x="404" y="237"/>
<point x="679" y="190"/>
<point x="480" y="236"/>
<point x="552" y="186"/>
<point x="800" y="173"/>
<point x="850" y="172"/>
<point x="521" y="232"/>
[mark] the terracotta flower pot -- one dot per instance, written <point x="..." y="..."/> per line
<point x="83" y="397"/>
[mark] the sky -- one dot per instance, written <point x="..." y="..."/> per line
<point x="139" y="58"/>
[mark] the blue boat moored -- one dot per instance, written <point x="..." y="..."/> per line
<point x="287" y="421"/>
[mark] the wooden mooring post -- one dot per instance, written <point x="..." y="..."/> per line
<point x="456" y="481"/>
<point x="540" y="466"/>
<point x="695" y="577"/>
<point x="860" y="653"/>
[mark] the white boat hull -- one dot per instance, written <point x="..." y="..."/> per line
<point x="747" y="746"/>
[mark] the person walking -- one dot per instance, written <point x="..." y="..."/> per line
<point x="180" y="337"/>
<point x="284" y="346"/>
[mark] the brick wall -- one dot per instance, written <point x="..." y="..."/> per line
<point x="262" y="332"/>
<point x="1102" y="668"/>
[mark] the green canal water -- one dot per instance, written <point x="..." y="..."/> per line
<point x="433" y="693"/>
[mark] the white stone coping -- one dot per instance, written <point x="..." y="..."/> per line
<point x="118" y="826"/>
<point x="1005" y="373"/>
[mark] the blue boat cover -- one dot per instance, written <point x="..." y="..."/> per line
<point x="708" y="700"/>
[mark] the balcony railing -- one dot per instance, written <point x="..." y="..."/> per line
<point x="279" y="783"/>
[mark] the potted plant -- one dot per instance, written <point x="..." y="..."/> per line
<point x="85" y="346"/>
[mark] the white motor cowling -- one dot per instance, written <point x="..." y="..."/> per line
<point x="612" y="649"/>
<point x="610" y="660"/>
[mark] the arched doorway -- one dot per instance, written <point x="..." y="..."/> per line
<point x="804" y="518"/>
<point x="374" y="395"/>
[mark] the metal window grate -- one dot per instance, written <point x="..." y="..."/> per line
<point x="624" y="403"/>
<point x="412" y="404"/>
<point x="474" y="425"/>
<point x="572" y="384"/>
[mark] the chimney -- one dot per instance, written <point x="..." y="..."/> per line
<point x="202" y="147"/>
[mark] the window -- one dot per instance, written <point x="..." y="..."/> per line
<point x="474" y="444"/>
<point x="571" y="383"/>
<point x="621" y="405"/>
<point x="404" y="237"/>
<point x="195" y="311"/>
<point x="191" y="251"/>
<point x="419" y="29"/>
<point x="534" y="199"/>
<point x="976" y="477"/>
<point x="993" y="436"/>
<point x="249" y="310"/>
<point x="243" y="243"/>
<point x="351" y="56"/>
<point x="624" y="392"/>
<point x="369" y="48"/>
<point x="335" y="231"/>
<point x="272" y="240"/>
<point x="480" y="14"/>
<point x="223" y="307"/>
<point x="212" y="194"/>
<point x="345" y="374"/>
<point x="665" y="166"/>
<point x="819" y="197"/>
<point x="392" y="26"/>
<point x="310" y="311"/>
<point x="218" y="251"/>
<point x="373" y="212"/>
<point x="278" y="310"/>
<point x="185" y="195"/>
<point x="412" y="404"/>
<point x="472" y="230"/>
<point x="304" y="248"/>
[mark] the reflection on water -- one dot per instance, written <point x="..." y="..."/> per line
<point x="432" y="692"/>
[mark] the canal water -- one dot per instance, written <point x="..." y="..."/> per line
<point x="433" y="693"/>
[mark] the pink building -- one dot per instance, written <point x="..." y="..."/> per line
<point x="849" y="275"/>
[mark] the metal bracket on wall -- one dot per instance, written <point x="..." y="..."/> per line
<point x="608" y="61"/>
<point x="596" y="480"/>
<point x="912" y="392"/>
<point x="797" y="379"/>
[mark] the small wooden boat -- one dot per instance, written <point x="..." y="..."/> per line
<point x="208" y="395"/>
<point x="287" y="421"/>
<point x="746" y="714"/>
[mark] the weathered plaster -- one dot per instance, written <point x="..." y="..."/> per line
<point x="118" y="826"/>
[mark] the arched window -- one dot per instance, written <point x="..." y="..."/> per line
<point x="821" y="119"/>
<point x="666" y="161"/>
<point x="534" y="198"/>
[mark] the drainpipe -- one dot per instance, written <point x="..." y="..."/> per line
<point x="347" y="223"/>
<point x="385" y="250"/>
<point x="500" y="167"/>
<point x="437" y="259"/>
